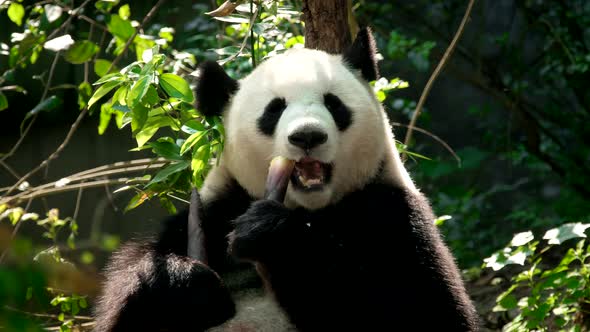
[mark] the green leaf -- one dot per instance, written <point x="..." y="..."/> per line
<point x="139" y="199"/>
<point x="151" y="127"/>
<point x="138" y="91"/>
<point x="102" y="91"/>
<point x="441" y="220"/>
<point x="84" y="93"/>
<point x="110" y="77"/>
<point x="29" y="294"/>
<point x="82" y="302"/>
<point x="167" y="204"/>
<point x="120" y="28"/>
<point x="120" y="95"/>
<point x="139" y="116"/>
<point x="106" y="5"/>
<point x="192" y="126"/>
<point x="151" y="97"/>
<point x="176" y="87"/>
<point x="124" y="12"/>
<point x="82" y="51"/>
<point x="192" y="140"/>
<point x="166" y="149"/>
<point x="565" y="232"/>
<point x="105" y="118"/>
<point x="169" y="170"/>
<point x="200" y="159"/>
<point x="48" y="104"/>
<point x="16" y="12"/>
<point x="3" y="101"/>
<point x="144" y="135"/>
<point x="101" y="66"/>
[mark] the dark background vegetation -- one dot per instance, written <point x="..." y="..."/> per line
<point x="512" y="102"/>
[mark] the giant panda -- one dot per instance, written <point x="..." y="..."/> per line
<point x="353" y="245"/>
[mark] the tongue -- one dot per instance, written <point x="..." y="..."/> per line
<point x="310" y="169"/>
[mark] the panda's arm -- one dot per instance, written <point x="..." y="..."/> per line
<point x="355" y="242"/>
<point x="153" y="285"/>
<point x="438" y="287"/>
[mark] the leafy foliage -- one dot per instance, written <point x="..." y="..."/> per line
<point x="545" y="297"/>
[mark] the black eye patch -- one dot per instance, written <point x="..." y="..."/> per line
<point x="341" y="114"/>
<point x="272" y="113"/>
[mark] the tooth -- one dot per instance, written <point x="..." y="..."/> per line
<point x="277" y="180"/>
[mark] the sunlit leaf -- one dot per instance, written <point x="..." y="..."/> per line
<point x="565" y="232"/>
<point x="102" y="91"/>
<point x="16" y="12"/>
<point x="106" y="114"/>
<point x="106" y="5"/>
<point x="52" y="12"/>
<point x="138" y="91"/>
<point x="59" y="44"/>
<point x="139" y="199"/>
<point x="139" y="116"/>
<point x="110" y="77"/>
<point x="82" y="51"/>
<point x="124" y="12"/>
<point x="522" y="239"/>
<point x="176" y="87"/>
<point x="195" y="138"/>
<point x="101" y="66"/>
<point x="120" y="28"/>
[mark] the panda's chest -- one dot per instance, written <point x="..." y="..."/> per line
<point x="332" y="238"/>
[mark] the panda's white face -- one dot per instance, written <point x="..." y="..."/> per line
<point x="308" y="106"/>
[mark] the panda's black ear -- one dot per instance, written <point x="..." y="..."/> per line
<point x="214" y="88"/>
<point x="361" y="55"/>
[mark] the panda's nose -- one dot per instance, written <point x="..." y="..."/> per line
<point x="308" y="139"/>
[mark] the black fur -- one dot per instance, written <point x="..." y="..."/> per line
<point x="153" y="286"/>
<point x="372" y="262"/>
<point x="341" y="114"/>
<point x="214" y="88"/>
<point x="362" y="55"/>
<point x="272" y="113"/>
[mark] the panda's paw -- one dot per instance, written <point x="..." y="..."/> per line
<point x="259" y="229"/>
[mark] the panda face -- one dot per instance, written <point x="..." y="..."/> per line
<point x="308" y="106"/>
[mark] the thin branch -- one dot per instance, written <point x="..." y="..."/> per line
<point x="30" y="125"/>
<point x="437" y="71"/>
<point x="113" y="169"/>
<point x="433" y="136"/>
<point x="9" y="169"/>
<point x="83" y="185"/>
<point x="78" y="200"/>
<point x="148" y="17"/>
<point x="55" y="154"/>
<point x="245" y="40"/>
<point x="44" y="315"/>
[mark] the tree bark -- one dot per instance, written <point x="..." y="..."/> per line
<point x="327" y="25"/>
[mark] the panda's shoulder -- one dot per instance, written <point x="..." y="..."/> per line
<point x="390" y="195"/>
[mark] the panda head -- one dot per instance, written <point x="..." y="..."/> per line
<point x="309" y="106"/>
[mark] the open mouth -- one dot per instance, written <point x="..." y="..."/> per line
<point x="310" y="174"/>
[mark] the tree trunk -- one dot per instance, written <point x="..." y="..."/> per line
<point x="328" y="24"/>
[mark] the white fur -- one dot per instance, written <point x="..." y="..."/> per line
<point x="302" y="77"/>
